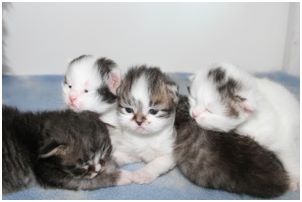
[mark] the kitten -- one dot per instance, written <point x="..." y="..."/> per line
<point x="225" y="98"/>
<point x="225" y="161"/>
<point x="147" y="100"/>
<point x="90" y="83"/>
<point x="61" y="149"/>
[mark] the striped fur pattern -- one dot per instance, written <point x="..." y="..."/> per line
<point x="147" y="101"/>
<point x="61" y="149"/>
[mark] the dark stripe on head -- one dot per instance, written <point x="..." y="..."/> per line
<point x="217" y="74"/>
<point x="158" y="86"/>
<point x="105" y="66"/>
<point x="78" y="59"/>
<point x="229" y="88"/>
<point x="125" y="88"/>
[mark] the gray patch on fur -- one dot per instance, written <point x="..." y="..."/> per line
<point x="49" y="148"/>
<point x="226" y="161"/>
<point x="158" y="89"/>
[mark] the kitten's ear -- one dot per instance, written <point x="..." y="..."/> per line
<point x="247" y="106"/>
<point x="114" y="80"/>
<point x="173" y="90"/>
<point x="52" y="149"/>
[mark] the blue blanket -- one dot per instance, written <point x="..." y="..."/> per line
<point x="44" y="93"/>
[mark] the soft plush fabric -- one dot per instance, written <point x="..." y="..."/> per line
<point x="44" y="93"/>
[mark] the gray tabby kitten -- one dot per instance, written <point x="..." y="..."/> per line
<point x="226" y="161"/>
<point x="60" y="149"/>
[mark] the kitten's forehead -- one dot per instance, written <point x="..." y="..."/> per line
<point x="140" y="91"/>
<point x="148" y="86"/>
<point x="84" y="70"/>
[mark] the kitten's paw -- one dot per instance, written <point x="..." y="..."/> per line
<point x="124" y="178"/>
<point x="142" y="177"/>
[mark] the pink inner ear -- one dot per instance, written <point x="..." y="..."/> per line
<point x="113" y="81"/>
<point x="247" y="107"/>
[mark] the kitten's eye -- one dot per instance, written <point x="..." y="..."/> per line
<point x="86" y="91"/>
<point x="239" y="98"/>
<point x="129" y="110"/>
<point x="69" y="86"/>
<point x="80" y="161"/>
<point x="189" y="89"/>
<point x="208" y="110"/>
<point x="153" y="111"/>
<point x="102" y="162"/>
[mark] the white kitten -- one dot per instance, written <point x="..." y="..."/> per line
<point x="147" y="100"/>
<point x="224" y="98"/>
<point x="90" y="84"/>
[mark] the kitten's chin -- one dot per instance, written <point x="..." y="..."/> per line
<point x="75" y="107"/>
<point x="141" y="130"/>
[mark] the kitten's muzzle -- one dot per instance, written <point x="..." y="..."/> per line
<point x="139" y="122"/>
<point x="139" y="118"/>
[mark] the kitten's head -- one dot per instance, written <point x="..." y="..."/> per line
<point x="147" y="99"/>
<point x="90" y="84"/>
<point x="221" y="91"/>
<point x="76" y="143"/>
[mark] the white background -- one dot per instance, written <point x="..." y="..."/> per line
<point x="178" y="37"/>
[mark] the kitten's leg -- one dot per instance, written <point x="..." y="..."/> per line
<point x="111" y="176"/>
<point x="153" y="169"/>
<point x="124" y="158"/>
<point x="291" y="165"/>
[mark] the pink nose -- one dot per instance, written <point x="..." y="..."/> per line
<point x="72" y="98"/>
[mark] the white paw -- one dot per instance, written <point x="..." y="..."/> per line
<point x="142" y="177"/>
<point x="294" y="184"/>
<point x="124" y="178"/>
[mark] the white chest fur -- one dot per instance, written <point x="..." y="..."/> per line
<point x="144" y="147"/>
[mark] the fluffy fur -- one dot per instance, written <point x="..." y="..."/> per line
<point x="90" y="84"/>
<point x="146" y="113"/>
<point x="225" y="98"/>
<point x="61" y="149"/>
<point x="225" y="161"/>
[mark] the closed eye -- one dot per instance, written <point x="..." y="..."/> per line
<point x="208" y="110"/>
<point x="189" y="89"/>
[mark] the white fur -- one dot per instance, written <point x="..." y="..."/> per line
<point x="274" y="121"/>
<point x="151" y="143"/>
<point x="83" y="75"/>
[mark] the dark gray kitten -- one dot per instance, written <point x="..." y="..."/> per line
<point x="61" y="149"/>
<point x="226" y="160"/>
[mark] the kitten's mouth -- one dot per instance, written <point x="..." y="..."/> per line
<point x="140" y="129"/>
<point x="74" y="107"/>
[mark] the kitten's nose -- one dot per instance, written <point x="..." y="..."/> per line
<point x="91" y="168"/>
<point x="72" y="98"/>
<point x="139" y="122"/>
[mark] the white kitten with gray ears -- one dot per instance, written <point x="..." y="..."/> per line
<point x="90" y="83"/>
<point x="147" y="101"/>
<point x="225" y="98"/>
